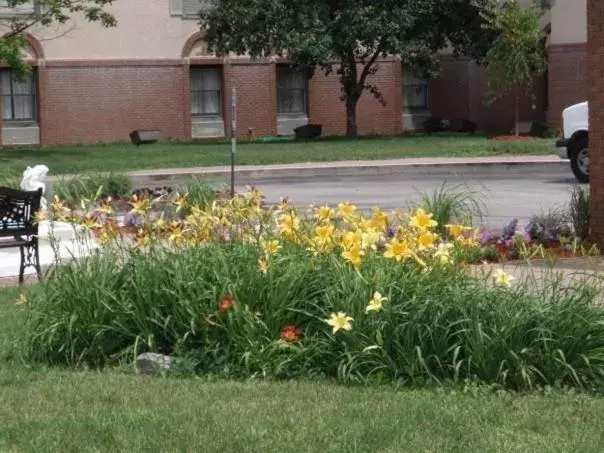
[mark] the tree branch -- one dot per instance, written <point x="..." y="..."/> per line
<point x="370" y="63"/>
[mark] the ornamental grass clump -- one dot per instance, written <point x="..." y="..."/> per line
<point x="241" y="289"/>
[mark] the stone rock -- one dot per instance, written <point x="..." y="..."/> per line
<point x="151" y="363"/>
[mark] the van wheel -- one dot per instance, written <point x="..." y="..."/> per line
<point x="579" y="160"/>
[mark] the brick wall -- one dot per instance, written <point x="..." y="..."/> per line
<point x="459" y="92"/>
<point x="567" y="78"/>
<point x="326" y="108"/>
<point x="82" y="103"/>
<point x="256" y="87"/>
<point x="595" y="13"/>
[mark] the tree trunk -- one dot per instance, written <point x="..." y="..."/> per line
<point x="517" y="112"/>
<point x="351" y="117"/>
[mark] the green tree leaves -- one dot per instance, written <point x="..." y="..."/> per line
<point x="45" y="12"/>
<point x="349" y="36"/>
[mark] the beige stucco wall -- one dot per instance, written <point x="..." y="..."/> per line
<point x="145" y="30"/>
<point x="569" y="22"/>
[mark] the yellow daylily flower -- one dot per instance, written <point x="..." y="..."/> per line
<point x="443" y="253"/>
<point x="139" y="205"/>
<point x="339" y="321"/>
<point x="370" y="238"/>
<point x="426" y="240"/>
<point x="379" y="220"/>
<point x="376" y="303"/>
<point x="324" y="213"/>
<point x="422" y="220"/>
<point x="398" y="250"/>
<point x="271" y="247"/>
<point x="351" y="239"/>
<point x="354" y="255"/>
<point x="502" y="278"/>
<point x="289" y="224"/>
<point x="346" y="209"/>
<point x="457" y="230"/>
<point x="180" y="202"/>
<point x="325" y="232"/>
<point x="263" y="266"/>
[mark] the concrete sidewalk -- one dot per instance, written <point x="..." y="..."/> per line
<point x="497" y="165"/>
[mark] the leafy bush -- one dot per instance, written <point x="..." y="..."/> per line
<point x="433" y="326"/>
<point x="334" y="294"/>
<point x="579" y="211"/>
<point x="92" y="186"/>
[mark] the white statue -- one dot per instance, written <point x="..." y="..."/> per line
<point x="33" y="179"/>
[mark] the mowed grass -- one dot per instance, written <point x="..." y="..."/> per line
<point x="127" y="157"/>
<point x="51" y="410"/>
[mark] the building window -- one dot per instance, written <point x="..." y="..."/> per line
<point x="188" y="9"/>
<point x="291" y="91"/>
<point x="205" y="92"/>
<point x="28" y="7"/>
<point x="415" y="91"/>
<point x="18" y="97"/>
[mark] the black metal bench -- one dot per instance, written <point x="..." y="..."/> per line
<point x="17" y="222"/>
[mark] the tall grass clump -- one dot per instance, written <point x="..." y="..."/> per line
<point x="93" y="186"/>
<point x="212" y="306"/>
<point x="579" y="211"/>
<point x="452" y="204"/>
<point x="199" y="192"/>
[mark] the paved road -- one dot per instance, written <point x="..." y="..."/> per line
<point x="513" y="193"/>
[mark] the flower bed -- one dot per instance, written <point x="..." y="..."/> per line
<point x="238" y="288"/>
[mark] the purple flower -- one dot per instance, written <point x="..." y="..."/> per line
<point x="552" y="235"/>
<point x="390" y="233"/>
<point x="509" y="229"/>
<point x="486" y="237"/>
<point x="132" y="220"/>
<point x="527" y="236"/>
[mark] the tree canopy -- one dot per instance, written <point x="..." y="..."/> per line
<point x="14" y="27"/>
<point x="349" y="36"/>
<point x="517" y="56"/>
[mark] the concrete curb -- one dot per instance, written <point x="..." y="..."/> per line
<point x="496" y="166"/>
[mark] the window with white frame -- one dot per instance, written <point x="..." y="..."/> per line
<point x="18" y="96"/>
<point x="206" y="92"/>
<point x="415" y="92"/>
<point x="188" y="9"/>
<point x="28" y="7"/>
<point x="291" y="91"/>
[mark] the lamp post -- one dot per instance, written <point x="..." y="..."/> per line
<point x="233" y="137"/>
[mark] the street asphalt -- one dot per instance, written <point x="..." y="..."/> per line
<point x="511" y="193"/>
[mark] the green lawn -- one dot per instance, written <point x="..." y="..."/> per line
<point x="112" y="411"/>
<point x="125" y="157"/>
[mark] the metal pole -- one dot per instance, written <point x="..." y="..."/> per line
<point x="233" y="137"/>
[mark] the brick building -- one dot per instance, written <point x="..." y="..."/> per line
<point x="92" y="84"/>
<point x="596" y="118"/>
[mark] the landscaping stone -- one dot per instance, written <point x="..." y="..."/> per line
<point x="151" y="363"/>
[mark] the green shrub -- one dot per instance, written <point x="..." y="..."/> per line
<point x="437" y="324"/>
<point x="90" y="186"/>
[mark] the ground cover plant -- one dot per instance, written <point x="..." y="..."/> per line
<point x="240" y="289"/>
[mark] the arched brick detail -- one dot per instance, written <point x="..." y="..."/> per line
<point x="190" y="43"/>
<point x="36" y="46"/>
